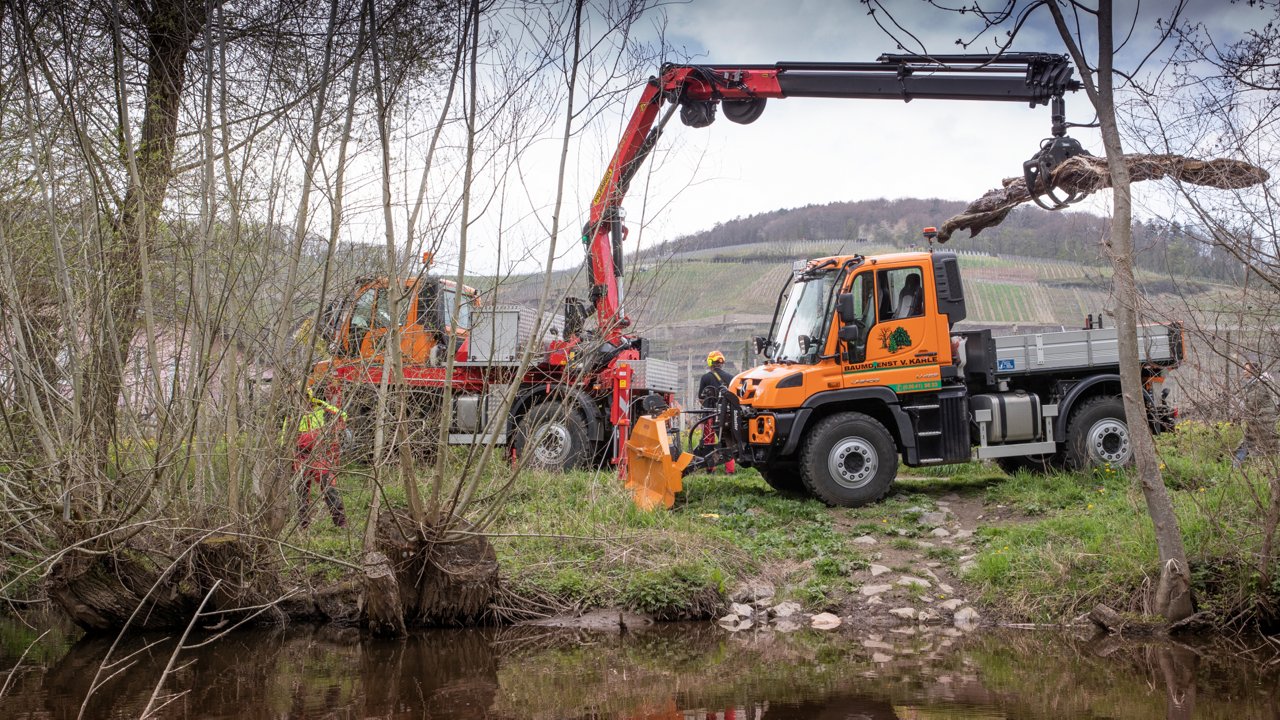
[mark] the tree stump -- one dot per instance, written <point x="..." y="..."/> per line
<point x="442" y="582"/>
<point x="381" y="609"/>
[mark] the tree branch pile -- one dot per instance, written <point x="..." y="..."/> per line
<point x="1086" y="174"/>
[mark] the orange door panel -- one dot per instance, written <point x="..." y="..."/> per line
<point x="903" y="343"/>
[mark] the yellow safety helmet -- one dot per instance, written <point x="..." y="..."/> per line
<point x="714" y="357"/>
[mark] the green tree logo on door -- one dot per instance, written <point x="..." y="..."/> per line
<point x="895" y="340"/>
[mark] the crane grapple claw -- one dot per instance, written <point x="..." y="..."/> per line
<point x="654" y="467"/>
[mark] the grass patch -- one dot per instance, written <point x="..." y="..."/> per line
<point x="579" y="538"/>
<point x="1093" y="541"/>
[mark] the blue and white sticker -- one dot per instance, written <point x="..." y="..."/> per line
<point x="1002" y="365"/>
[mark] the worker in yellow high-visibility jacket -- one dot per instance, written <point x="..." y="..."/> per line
<point x="316" y="457"/>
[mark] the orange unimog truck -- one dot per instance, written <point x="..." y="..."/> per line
<point x="865" y="369"/>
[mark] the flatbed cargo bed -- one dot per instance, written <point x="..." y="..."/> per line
<point x="1159" y="345"/>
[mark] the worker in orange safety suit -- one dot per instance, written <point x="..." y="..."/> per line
<point x="316" y="457"/>
<point x="709" y="386"/>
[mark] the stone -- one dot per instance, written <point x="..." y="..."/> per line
<point x="925" y="544"/>
<point x="864" y="540"/>
<point x="878" y="570"/>
<point x="742" y="610"/>
<point x="868" y="590"/>
<point x="876" y="645"/>
<point x="962" y="534"/>
<point x="945" y="588"/>
<point x="824" y="621"/>
<point x="951" y="605"/>
<point x="933" y="519"/>
<point x="881" y="658"/>
<point x="928" y="616"/>
<point x="785" y="609"/>
<point x="933" y="564"/>
<point x="965" y="617"/>
<point x="752" y="591"/>
<point x="874" y="600"/>
<point x="909" y="581"/>
<point x="905" y="613"/>
<point x="940" y="532"/>
<point x="968" y="566"/>
<point x="729" y="621"/>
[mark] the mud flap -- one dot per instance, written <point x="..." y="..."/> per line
<point x="653" y="475"/>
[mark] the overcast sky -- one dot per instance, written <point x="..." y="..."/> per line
<point x="807" y="151"/>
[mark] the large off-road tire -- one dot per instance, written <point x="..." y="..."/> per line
<point x="551" y="436"/>
<point x="849" y="459"/>
<point x="785" y="478"/>
<point x="1097" y="435"/>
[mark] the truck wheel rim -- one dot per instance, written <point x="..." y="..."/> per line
<point x="1109" y="441"/>
<point x="551" y="445"/>
<point x="852" y="463"/>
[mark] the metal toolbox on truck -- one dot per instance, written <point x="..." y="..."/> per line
<point x="499" y="334"/>
<point x="654" y="374"/>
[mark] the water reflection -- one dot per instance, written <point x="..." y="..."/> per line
<point x="670" y="673"/>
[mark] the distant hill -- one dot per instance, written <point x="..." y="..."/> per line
<point x="1038" y="270"/>
<point x="1027" y="232"/>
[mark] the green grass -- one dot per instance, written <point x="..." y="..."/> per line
<point x="579" y="537"/>
<point x="1092" y="540"/>
<point x="1072" y="539"/>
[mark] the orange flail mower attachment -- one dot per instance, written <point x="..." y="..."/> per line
<point x="653" y="475"/>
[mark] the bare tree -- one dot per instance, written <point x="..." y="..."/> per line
<point x="1220" y="96"/>
<point x="1080" y="27"/>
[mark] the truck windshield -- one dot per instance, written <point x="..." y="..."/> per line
<point x="801" y="332"/>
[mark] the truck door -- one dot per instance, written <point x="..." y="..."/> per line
<point x="903" y="341"/>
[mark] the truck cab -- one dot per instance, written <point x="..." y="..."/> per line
<point x="355" y="325"/>
<point x="865" y="369"/>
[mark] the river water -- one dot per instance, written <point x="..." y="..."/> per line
<point x="676" y="672"/>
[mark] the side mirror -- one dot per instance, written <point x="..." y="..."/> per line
<point x="845" y="310"/>
<point x="851" y="335"/>
<point x="761" y="344"/>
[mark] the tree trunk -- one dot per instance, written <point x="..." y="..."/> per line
<point x="1168" y="536"/>
<point x="381" y="609"/>
<point x="171" y="27"/>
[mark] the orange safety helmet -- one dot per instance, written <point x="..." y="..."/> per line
<point x="713" y="357"/>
